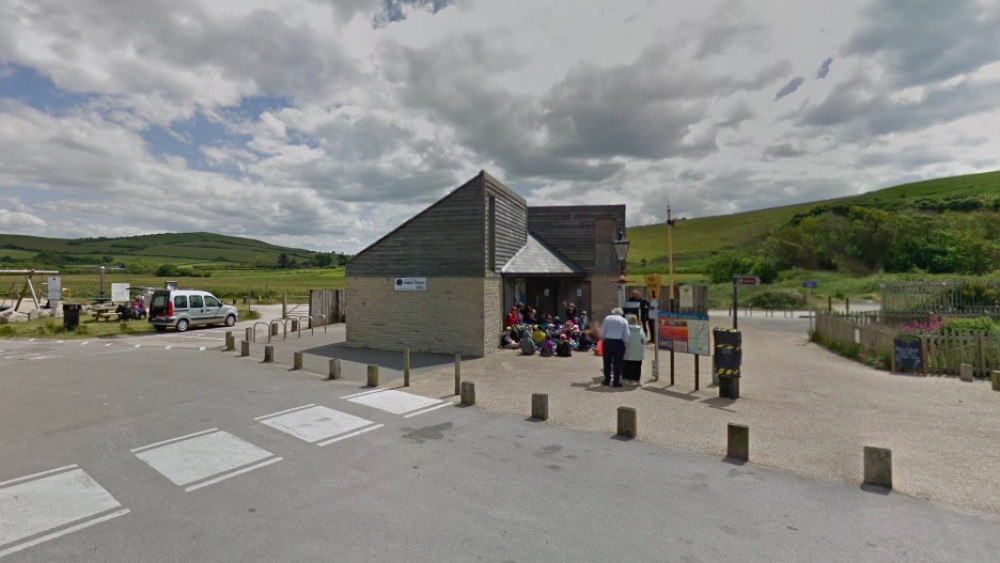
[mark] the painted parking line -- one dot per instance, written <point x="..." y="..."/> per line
<point x="52" y="503"/>
<point x="209" y="458"/>
<point x="434" y="408"/>
<point x="396" y="402"/>
<point x="319" y="425"/>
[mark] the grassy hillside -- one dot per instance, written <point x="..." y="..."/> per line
<point x="171" y="248"/>
<point x="697" y="239"/>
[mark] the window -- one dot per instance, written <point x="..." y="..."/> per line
<point x="212" y="302"/>
<point x="181" y="302"/>
<point x="196" y="302"/>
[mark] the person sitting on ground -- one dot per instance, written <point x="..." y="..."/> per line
<point x="538" y="335"/>
<point x="564" y="349"/>
<point x="507" y="339"/>
<point x="527" y="346"/>
<point x="583" y="321"/>
<point x="513" y="317"/>
<point x="585" y="343"/>
<point x="547" y="348"/>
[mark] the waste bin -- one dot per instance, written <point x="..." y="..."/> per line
<point x="71" y="315"/>
<point x="727" y="359"/>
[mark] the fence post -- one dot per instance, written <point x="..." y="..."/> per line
<point x="627" y="423"/>
<point x="458" y="374"/>
<point x="334" y="369"/>
<point x="406" y="367"/>
<point x="878" y="467"/>
<point x="297" y="360"/>
<point x="540" y="406"/>
<point x="284" y="305"/>
<point x="372" y="375"/>
<point x="738" y="443"/>
<point x="468" y="393"/>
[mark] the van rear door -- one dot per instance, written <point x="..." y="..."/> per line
<point x="158" y="304"/>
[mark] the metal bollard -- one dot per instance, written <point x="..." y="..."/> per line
<point x="245" y="348"/>
<point x="372" y="375"/>
<point x="268" y="354"/>
<point x="334" y="369"/>
<point x="297" y="360"/>
<point x="540" y="406"/>
<point x="627" y="423"/>
<point x="738" y="446"/>
<point x="468" y="393"/>
<point x="406" y="367"/>
<point x="878" y="467"/>
<point x="458" y="374"/>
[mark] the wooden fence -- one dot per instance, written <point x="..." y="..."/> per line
<point x="943" y="353"/>
<point x="329" y="302"/>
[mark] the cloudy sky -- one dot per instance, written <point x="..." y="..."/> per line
<point x="325" y="123"/>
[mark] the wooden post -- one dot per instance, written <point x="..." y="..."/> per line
<point x="627" y="422"/>
<point x="406" y="367"/>
<point x="540" y="406"/>
<point x="274" y="329"/>
<point x="847" y="305"/>
<point x="245" y="348"/>
<point x="458" y="374"/>
<point x="297" y="360"/>
<point x="878" y="467"/>
<point x="230" y="341"/>
<point x="249" y="334"/>
<point x="981" y="353"/>
<point x="671" y="367"/>
<point x="334" y="369"/>
<point x="284" y="305"/>
<point x="268" y="354"/>
<point x="696" y="377"/>
<point x="738" y="446"/>
<point x="468" y="393"/>
<point x="372" y="375"/>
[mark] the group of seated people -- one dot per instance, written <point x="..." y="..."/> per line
<point x="529" y="332"/>
<point x="134" y="310"/>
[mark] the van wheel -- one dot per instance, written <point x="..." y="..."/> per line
<point x="182" y="325"/>
<point x="231" y="320"/>
<point x="160" y="328"/>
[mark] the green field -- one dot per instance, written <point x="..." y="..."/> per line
<point x="697" y="239"/>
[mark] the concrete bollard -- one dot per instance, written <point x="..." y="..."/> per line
<point x="540" y="406"/>
<point x="406" y="367"/>
<point x="230" y="341"/>
<point x="965" y="372"/>
<point x="334" y="369"/>
<point x="995" y="379"/>
<point x="372" y="375"/>
<point x="627" y="423"/>
<point x="458" y="374"/>
<point x="268" y="354"/>
<point x="738" y="446"/>
<point x="878" y="467"/>
<point x="297" y="360"/>
<point x="245" y="348"/>
<point x="249" y="334"/>
<point x="468" y="393"/>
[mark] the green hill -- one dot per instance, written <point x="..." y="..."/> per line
<point x="195" y="249"/>
<point x="698" y="239"/>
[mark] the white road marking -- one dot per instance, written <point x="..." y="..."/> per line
<point x="194" y="459"/>
<point x="362" y="393"/>
<point x="168" y="347"/>
<point x="39" y="474"/>
<point x="61" y="533"/>
<point x="316" y="423"/>
<point x="137" y="345"/>
<point x="396" y="402"/>
<point x="284" y="411"/>
<point x="434" y="408"/>
<point x="172" y="440"/>
<point x="233" y="474"/>
<point x="201" y="349"/>
<point x="351" y="435"/>
<point x="37" y="506"/>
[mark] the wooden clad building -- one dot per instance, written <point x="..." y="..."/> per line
<point x="442" y="281"/>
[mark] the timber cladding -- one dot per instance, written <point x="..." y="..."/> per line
<point x="573" y="230"/>
<point x="448" y="318"/>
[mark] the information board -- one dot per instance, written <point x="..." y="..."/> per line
<point x="907" y="354"/>
<point x="686" y="333"/>
<point x="119" y="292"/>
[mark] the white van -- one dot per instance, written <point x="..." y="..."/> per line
<point x="182" y="308"/>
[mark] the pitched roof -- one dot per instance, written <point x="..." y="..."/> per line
<point x="537" y="257"/>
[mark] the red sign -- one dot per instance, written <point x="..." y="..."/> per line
<point x="747" y="280"/>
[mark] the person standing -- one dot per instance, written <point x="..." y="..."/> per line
<point x="614" y="336"/>
<point x="634" y="352"/>
<point x="644" y="308"/>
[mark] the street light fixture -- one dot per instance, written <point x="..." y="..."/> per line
<point x="621" y="252"/>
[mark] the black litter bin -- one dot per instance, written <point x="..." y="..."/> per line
<point x="727" y="359"/>
<point x="71" y="315"/>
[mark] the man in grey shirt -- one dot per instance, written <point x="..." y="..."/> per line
<point x="614" y="335"/>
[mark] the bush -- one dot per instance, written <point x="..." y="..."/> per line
<point x="777" y="299"/>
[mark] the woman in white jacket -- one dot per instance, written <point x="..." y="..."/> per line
<point x="633" y="350"/>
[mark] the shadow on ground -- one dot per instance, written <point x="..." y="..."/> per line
<point x="383" y="358"/>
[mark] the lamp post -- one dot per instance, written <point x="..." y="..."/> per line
<point x="621" y="252"/>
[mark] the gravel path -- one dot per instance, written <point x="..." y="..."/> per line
<point x="809" y="411"/>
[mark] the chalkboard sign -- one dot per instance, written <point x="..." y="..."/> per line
<point x="908" y="354"/>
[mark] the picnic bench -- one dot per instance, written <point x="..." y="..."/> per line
<point x="104" y="314"/>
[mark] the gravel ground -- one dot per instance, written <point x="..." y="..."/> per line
<point x="809" y="411"/>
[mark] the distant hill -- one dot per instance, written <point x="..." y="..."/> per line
<point x="194" y="249"/>
<point x="698" y="239"/>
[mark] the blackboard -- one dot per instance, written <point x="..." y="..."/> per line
<point x="908" y="354"/>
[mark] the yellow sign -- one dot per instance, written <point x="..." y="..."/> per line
<point x="653" y="283"/>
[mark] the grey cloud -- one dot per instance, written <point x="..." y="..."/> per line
<point x="737" y="114"/>
<point x="789" y="88"/>
<point x="782" y="150"/>
<point x="925" y="41"/>
<point x="907" y="158"/>
<point x="824" y="68"/>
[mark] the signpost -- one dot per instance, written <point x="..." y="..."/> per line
<point x="739" y="280"/>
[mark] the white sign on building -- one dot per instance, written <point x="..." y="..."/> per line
<point x="119" y="292"/>
<point x="410" y="284"/>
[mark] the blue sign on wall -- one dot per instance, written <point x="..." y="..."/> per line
<point x="811" y="284"/>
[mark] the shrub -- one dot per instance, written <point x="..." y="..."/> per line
<point x="777" y="299"/>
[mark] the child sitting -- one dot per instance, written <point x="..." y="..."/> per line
<point x="563" y="349"/>
<point x="547" y="347"/>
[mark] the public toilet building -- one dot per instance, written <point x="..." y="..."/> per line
<point x="443" y="281"/>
